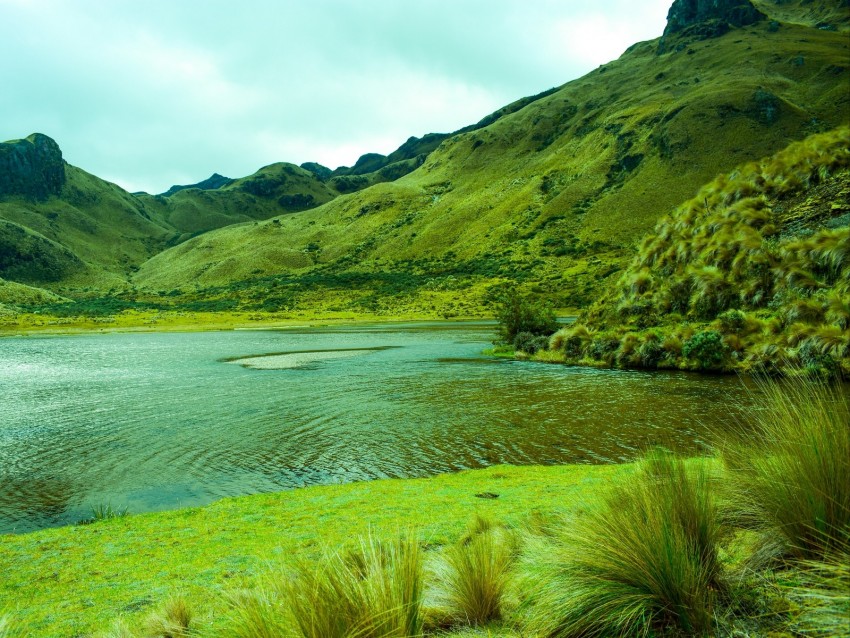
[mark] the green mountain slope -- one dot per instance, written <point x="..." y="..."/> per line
<point x="752" y="273"/>
<point x="552" y="196"/>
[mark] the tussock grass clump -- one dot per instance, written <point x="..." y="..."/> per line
<point x="374" y="591"/>
<point x="105" y="512"/>
<point x="173" y="620"/>
<point x="790" y="470"/>
<point x="256" y="613"/>
<point x="474" y="574"/>
<point x="822" y="591"/>
<point x="644" y="559"/>
<point x="10" y="629"/>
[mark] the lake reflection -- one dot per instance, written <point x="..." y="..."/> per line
<point x="156" y="421"/>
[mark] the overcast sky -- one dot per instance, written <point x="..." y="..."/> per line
<point x="150" y="93"/>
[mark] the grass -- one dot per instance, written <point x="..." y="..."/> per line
<point x="104" y="512"/>
<point x="750" y="274"/>
<point x="547" y="196"/>
<point x="821" y="592"/>
<point x="474" y="575"/>
<point x="78" y="579"/>
<point x="643" y="559"/>
<point x="790" y="469"/>
<point x="10" y="629"/>
<point x="373" y="591"/>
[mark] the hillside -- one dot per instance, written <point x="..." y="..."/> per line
<point x="753" y="273"/>
<point x="552" y="196"/>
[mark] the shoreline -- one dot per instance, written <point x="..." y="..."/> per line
<point x="145" y="322"/>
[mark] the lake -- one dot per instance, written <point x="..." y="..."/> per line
<point x="156" y="421"/>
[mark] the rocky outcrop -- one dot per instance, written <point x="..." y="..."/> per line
<point x="31" y="168"/>
<point x="719" y="14"/>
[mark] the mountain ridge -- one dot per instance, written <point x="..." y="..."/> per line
<point x="549" y="193"/>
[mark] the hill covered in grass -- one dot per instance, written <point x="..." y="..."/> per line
<point x="752" y="273"/>
<point x="550" y="194"/>
<point x="552" y="197"/>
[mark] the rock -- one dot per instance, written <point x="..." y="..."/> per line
<point x="734" y="13"/>
<point x="32" y="168"/>
<point x="488" y="495"/>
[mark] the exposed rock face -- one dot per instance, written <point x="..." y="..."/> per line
<point x="32" y="167"/>
<point x="725" y="13"/>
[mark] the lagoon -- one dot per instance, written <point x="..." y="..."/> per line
<point x="156" y="421"/>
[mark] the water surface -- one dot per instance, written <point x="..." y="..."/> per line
<point x="163" y="420"/>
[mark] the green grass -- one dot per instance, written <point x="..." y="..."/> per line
<point x="105" y="511"/>
<point x="474" y="575"/>
<point x="11" y="629"/>
<point x="750" y="274"/>
<point x="642" y="559"/>
<point x="372" y="591"/>
<point x="790" y="469"/>
<point x="78" y="579"/>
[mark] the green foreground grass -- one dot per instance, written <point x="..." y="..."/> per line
<point x="73" y="581"/>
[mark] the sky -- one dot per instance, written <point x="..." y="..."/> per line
<point x="150" y="93"/>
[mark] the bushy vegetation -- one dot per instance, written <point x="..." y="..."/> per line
<point x="374" y="591"/>
<point x="474" y="574"/>
<point x="790" y="469"/>
<point x="523" y="319"/>
<point x="751" y="274"/>
<point x="644" y="559"/>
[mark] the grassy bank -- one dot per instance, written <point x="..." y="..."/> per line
<point x="75" y="580"/>
<point x="749" y="275"/>
<point x="152" y="320"/>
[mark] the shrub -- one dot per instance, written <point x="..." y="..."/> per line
<point x="172" y="620"/>
<point x="791" y="468"/>
<point x="530" y="343"/>
<point x="732" y="322"/>
<point x="707" y="350"/>
<point x="651" y="351"/>
<point x="645" y="558"/>
<point x="474" y="575"/>
<point x="571" y="341"/>
<point x="603" y="347"/>
<point x="374" y="592"/>
<point x="518" y="314"/>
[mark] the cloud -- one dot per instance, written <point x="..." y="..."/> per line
<point x="162" y="92"/>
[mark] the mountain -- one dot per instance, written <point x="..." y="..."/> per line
<point x="213" y="182"/>
<point x="554" y="195"/>
<point x="550" y="194"/>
